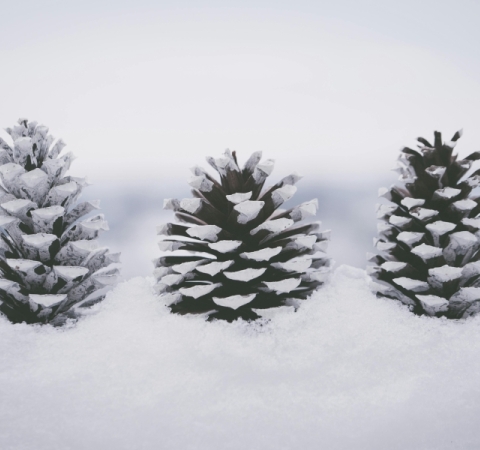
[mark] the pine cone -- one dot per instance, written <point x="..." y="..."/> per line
<point x="50" y="264"/>
<point x="429" y="233"/>
<point x="243" y="253"/>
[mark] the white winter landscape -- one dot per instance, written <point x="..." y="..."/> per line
<point x="142" y="91"/>
<point x="346" y="371"/>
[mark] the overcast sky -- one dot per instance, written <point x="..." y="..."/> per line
<point x="146" y="89"/>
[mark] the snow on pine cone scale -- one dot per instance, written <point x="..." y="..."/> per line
<point x="429" y="236"/>
<point x="50" y="263"/>
<point x="236" y="251"/>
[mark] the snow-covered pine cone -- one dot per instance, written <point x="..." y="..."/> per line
<point x="50" y="263"/>
<point x="429" y="237"/>
<point x="242" y="253"/>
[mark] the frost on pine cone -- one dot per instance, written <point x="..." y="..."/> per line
<point x="50" y="263"/>
<point x="429" y="236"/>
<point x="236" y="251"/>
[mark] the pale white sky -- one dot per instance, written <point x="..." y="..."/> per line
<point x="144" y="89"/>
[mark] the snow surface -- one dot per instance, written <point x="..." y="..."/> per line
<point x="346" y="371"/>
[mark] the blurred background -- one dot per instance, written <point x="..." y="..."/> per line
<point x="142" y="91"/>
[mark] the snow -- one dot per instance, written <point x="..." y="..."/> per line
<point x="56" y="149"/>
<point x="425" y="251"/>
<point x="168" y="298"/>
<point x="252" y="161"/>
<point x="199" y="290"/>
<point x="432" y="304"/>
<point x="384" y="246"/>
<point x="80" y="210"/>
<point x="305" y="210"/>
<point x="299" y="264"/>
<point x="239" y="197"/>
<point x="439" y="227"/>
<point x="346" y="371"/>
<point x="465" y="205"/>
<point x="436" y="171"/>
<point x="106" y="276"/>
<point x="75" y="252"/>
<point x="204" y="232"/>
<point x="461" y="243"/>
<point x="321" y="274"/>
<point x="472" y="223"/>
<point x="399" y="221"/>
<point x="70" y="272"/>
<point x="409" y="237"/>
<point x="169" y="246"/>
<point x="71" y="276"/>
<point x="55" y="168"/>
<point x="44" y="218"/>
<point x="164" y="229"/>
<point x="283" y="286"/>
<point x="468" y="294"/>
<point x="185" y="267"/>
<point x="273" y="226"/>
<point x="215" y="267"/>
<point x="265" y="254"/>
<point x="306" y="242"/>
<point x="59" y="193"/>
<point x="36" y="184"/>
<point x="234" y="301"/>
<point x="248" y="210"/>
<point x="11" y="225"/>
<point x="47" y="300"/>
<point x="445" y="273"/>
<point x="222" y="164"/>
<point x="411" y="284"/>
<point x="383" y="227"/>
<point x="384" y="192"/>
<point x="471" y="269"/>
<point x="410" y="202"/>
<point x="18" y="207"/>
<point x="171" y="204"/>
<point x="22" y="149"/>
<point x="393" y="266"/>
<point x="245" y="274"/>
<point x="423" y="214"/>
<point x="88" y="229"/>
<point x="283" y="194"/>
<point x="38" y="240"/>
<point x="225" y="246"/>
<point x="23" y="265"/>
<point x="191" y="205"/>
<point x="291" y="179"/>
<point x="385" y="210"/>
<point x="9" y="173"/>
<point x="171" y="279"/>
<point x="201" y="183"/>
<point x="447" y="193"/>
<point x="263" y="169"/>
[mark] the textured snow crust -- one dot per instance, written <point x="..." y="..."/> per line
<point x="346" y="371"/>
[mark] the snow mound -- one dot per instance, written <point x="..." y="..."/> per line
<point x="346" y="371"/>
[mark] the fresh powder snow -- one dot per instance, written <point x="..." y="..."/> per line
<point x="346" y="371"/>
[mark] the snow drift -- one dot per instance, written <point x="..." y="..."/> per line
<point x="346" y="371"/>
